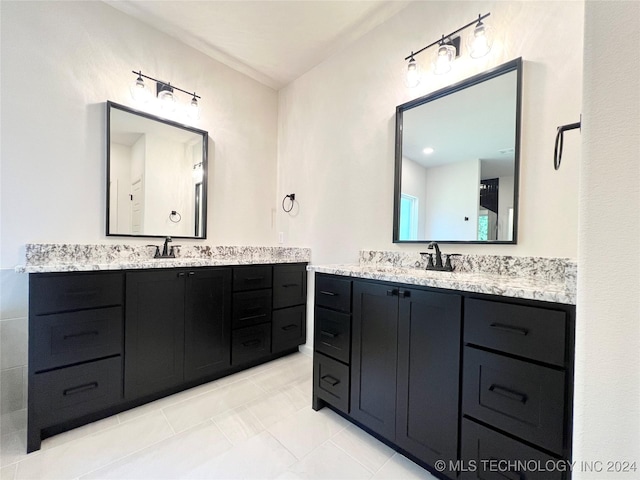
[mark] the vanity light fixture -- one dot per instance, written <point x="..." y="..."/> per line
<point x="479" y="44"/>
<point x="165" y="93"/>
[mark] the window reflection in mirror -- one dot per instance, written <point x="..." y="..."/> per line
<point x="457" y="161"/>
<point x="157" y="175"/>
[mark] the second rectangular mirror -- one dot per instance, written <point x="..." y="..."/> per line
<point x="457" y="161"/>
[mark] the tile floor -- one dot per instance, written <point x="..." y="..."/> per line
<point x="254" y="424"/>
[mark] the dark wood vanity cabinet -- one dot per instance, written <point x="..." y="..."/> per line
<point x="75" y="348"/>
<point x="447" y="375"/>
<point x="102" y="342"/>
<point x="517" y="386"/>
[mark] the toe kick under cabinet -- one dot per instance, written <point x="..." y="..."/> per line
<point x="103" y="342"/>
<point x="481" y="382"/>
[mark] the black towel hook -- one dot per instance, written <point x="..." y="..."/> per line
<point x="557" y="153"/>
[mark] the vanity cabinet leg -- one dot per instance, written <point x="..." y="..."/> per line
<point x="317" y="403"/>
<point x="33" y="439"/>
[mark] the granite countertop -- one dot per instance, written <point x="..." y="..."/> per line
<point x="533" y="287"/>
<point x="52" y="258"/>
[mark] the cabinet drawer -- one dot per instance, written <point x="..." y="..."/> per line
<point x="496" y="457"/>
<point x="333" y="293"/>
<point x="331" y="381"/>
<point x="333" y="334"/>
<point x="251" y="308"/>
<point x="518" y="397"/>
<point x="253" y="277"/>
<point x="66" y="338"/>
<point x="530" y="332"/>
<point x="72" y="392"/>
<point x="289" y="285"/>
<point x="288" y="328"/>
<point x="61" y="293"/>
<point x="250" y="343"/>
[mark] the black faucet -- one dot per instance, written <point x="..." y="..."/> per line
<point x="166" y="251"/>
<point x="447" y="267"/>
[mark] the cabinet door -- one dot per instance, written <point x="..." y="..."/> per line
<point x="428" y="374"/>
<point x="154" y="332"/>
<point x="207" y="327"/>
<point x="374" y="357"/>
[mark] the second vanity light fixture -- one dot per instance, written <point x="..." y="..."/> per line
<point x="165" y="95"/>
<point x="479" y="43"/>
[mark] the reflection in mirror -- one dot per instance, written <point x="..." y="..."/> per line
<point x="157" y="171"/>
<point x="457" y="161"/>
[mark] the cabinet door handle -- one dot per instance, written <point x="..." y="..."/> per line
<point x="288" y="285"/>
<point x="80" y="388"/>
<point x="289" y="327"/>
<point x="80" y="334"/>
<point x="252" y="317"/>
<point x="508" y="393"/>
<point x="180" y="274"/>
<point x="191" y="274"/>
<point x="333" y="381"/>
<point x="251" y="343"/>
<point x="331" y="294"/>
<point x="404" y="293"/>
<point x="324" y="333"/>
<point x="510" y="328"/>
<point x="393" y="292"/>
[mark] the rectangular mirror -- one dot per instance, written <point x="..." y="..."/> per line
<point x="156" y="176"/>
<point x="457" y="161"/>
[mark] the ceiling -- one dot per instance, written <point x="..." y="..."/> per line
<point x="273" y="42"/>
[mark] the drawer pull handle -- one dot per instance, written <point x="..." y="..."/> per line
<point x="333" y="381"/>
<point x="404" y="293"/>
<point x="288" y="285"/>
<point x="80" y="388"/>
<point x="509" y="328"/>
<point x="181" y="274"/>
<point x="324" y="333"/>
<point x="507" y="474"/>
<point x="393" y="292"/>
<point x="191" y="274"/>
<point x="508" y="393"/>
<point x="251" y="343"/>
<point x="253" y="279"/>
<point x="254" y="309"/>
<point x="331" y="294"/>
<point x="81" y="334"/>
<point x="289" y="327"/>
<point x="82" y="293"/>
<point x="252" y="317"/>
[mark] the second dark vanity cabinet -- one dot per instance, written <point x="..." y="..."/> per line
<point x="177" y="328"/>
<point x="405" y="367"/>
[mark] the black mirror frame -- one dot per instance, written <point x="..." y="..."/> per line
<point x="513" y="65"/>
<point x="205" y="165"/>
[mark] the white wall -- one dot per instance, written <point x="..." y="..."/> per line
<point x="607" y="372"/>
<point x="452" y="195"/>
<point x="60" y="62"/>
<point x="337" y="127"/>
<point x="505" y="202"/>
<point x="414" y="183"/>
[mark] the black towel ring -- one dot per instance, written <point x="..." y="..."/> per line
<point x="291" y="197"/>
<point x="557" y="153"/>
<point x="174" y="214"/>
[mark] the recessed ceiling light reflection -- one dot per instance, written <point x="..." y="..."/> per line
<point x="428" y="151"/>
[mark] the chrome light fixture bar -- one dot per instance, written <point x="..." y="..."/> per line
<point x="479" y="43"/>
<point x="164" y="93"/>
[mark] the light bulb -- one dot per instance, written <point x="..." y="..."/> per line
<point x="166" y="98"/>
<point x="139" y="91"/>
<point x="413" y="73"/>
<point x="193" y="110"/>
<point x="479" y="40"/>
<point x="444" y="58"/>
